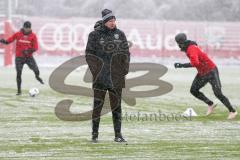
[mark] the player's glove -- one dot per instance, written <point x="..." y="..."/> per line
<point x="178" y="65"/>
<point x="182" y="65"/>
<point x="3" y="41"/>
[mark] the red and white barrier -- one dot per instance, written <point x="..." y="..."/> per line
<point x="68" y="37"/>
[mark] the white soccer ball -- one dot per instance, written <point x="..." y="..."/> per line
<point x="33" y="92"/>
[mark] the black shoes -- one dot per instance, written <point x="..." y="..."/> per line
<point x="94" y="137"/>
<point x="40" y="80"/>
<point x="19" y="93"/>
<point x="118" y="138"/>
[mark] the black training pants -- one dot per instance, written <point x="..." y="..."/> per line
<point x="213" y="78"/>
<point x="115" y="95"/>
<point x="19" y="63"/>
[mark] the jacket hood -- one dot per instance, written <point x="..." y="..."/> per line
<point x="99" y="26"/>
<point x="187" y="43"/>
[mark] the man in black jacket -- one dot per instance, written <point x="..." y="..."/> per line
<point x="107" y="55"/>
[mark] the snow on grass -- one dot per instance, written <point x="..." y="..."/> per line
<point x="29" y="128"/>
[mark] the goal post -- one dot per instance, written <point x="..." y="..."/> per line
<point x="6" y="30"/>
<point x="8" y="49"/>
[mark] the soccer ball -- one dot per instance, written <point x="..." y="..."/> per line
<point x="33" y="92"/>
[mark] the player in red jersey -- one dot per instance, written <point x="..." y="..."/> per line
<point x="26" y="45"/>
<point x="207" y="72"/>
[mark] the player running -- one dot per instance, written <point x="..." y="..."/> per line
<point x="207" y="72"/>
<point x="26" y="45"/>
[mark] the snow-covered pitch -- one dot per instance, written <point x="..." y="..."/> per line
<point x="29" y="128"/>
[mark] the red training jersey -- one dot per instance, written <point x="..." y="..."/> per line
<point x="24" y="42"/>
<point x="200" y="60"/>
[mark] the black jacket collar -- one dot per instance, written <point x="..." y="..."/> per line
<point x="99" y="26"/>
<point x="187" y="44"/>
<point x="22" y="30"/>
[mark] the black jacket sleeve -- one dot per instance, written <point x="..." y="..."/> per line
<point x="125" y="46"/>
<point x="94" y="63"/>
<point x="91" y="44"/>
